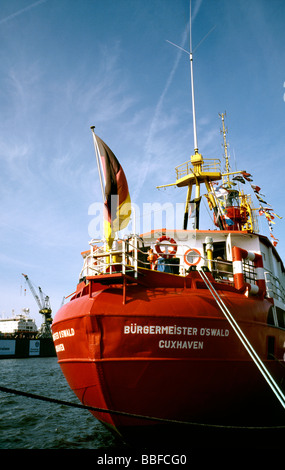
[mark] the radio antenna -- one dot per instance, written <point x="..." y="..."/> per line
<point x="192" y="76"/>
<point x="192" y="88"/>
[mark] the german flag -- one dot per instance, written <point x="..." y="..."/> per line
<point x="117" y="204"/>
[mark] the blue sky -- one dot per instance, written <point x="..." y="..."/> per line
<point x="68" y="64"/>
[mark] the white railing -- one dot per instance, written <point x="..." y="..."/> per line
<point x="102" y="261"/>
<point x="274" y="287"/>
<point x="125" y="256"/>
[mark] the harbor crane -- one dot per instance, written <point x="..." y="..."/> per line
<point x="44" y="308"/>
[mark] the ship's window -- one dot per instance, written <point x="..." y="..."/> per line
<point x="279" y="317"/>
<point x="270" y="347"/>
<point x="270" y="317"/>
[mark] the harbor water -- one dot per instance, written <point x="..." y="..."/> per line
<point x="27" y="423"/>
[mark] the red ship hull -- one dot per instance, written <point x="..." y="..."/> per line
<point x="161" y="348"/>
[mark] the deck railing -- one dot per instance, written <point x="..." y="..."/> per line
<point x="126" y="256"/>
<point x="274" y="288"/>
<point x="208" y="165"/>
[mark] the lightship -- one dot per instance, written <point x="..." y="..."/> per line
<point x="174" y="329"/>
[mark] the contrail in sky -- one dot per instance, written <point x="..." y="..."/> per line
<point x="155" y="119"/>
<point x="23" y="10"/>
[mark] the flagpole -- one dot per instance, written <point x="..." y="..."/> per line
<point x="97" y="153"/>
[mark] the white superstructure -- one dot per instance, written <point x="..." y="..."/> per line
<point x="18" y="324"/>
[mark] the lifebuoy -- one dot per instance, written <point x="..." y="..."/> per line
<point x="196" y="254"/>
<point x="167" y="253"/>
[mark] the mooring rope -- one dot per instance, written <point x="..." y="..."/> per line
<point x="130" y="415"/>
<point x="247" y="345"/>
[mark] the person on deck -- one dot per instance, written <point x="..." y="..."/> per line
<point x="152" y="257"/>
<point x="163" y="265"/>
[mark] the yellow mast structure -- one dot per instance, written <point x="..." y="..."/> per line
<point x="199" y="170"/>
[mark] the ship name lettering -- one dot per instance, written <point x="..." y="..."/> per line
<point x="133" y="328"/>
<point x="63" y="334"/>
<point x="59" y="347"/>
<point x="136" y="329"/>
<point x="180" y="344"/>
<point x="214" y="332"/>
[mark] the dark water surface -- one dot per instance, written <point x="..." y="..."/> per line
<point x="26" y="423"/>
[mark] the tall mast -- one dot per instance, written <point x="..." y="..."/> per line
<point x="192" y="87"/>
<point x="185" y="175"/>
<point x="196" y="159"/>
